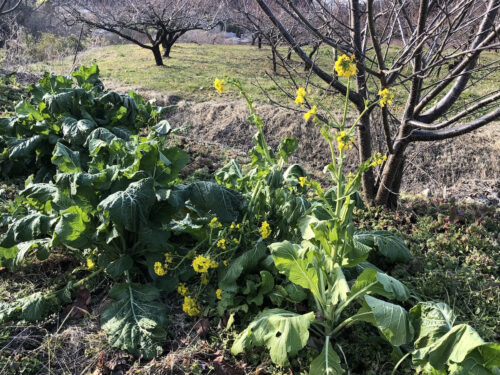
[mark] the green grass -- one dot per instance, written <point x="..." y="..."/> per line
<point x="189" y="73"/>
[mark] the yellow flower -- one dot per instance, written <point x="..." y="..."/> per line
<point x="201" y="264"/>
<point x="219" y="85"/>
<point x="226" y="263"/>
<point x="385" y="97"/>
<point x="378" y="159"/>
<point x="214" y="223"/>
<point x="168" y="258"/>
<point x="90" y="264"/>
<point x="345" y="66"/>
<point x="311" y="113"/>
<point x="182" y="289"/>
<point x="204" y="279"/>
<point x="344" y="141"/>
<point x="265" y="230"/>
<point x="159" y="270"/>
<point x="222" y="243"/>
<point x="301" y="93"/>
<point x="236" y="241"/>
<point x="218" y="293"/>
<point x="302" y="181"/>
<point x="214" y="264"/>
<point x="190" y="306"/>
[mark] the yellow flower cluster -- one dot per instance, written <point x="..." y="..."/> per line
<point x="312" y="113"/>
<point x="234" y="226"/>
<point x="90" y="264"/>
<point x="378" y="159"/>
<point x="159" y="270"/>
<point x="219" y="85"/>
<point x="265" y="230"/>
<point x="205" y="279"/>
<point x="345" y="66"/>
<point x="222" y="243"/>
<point x="302" y="181"/>
<point x="214" y="223"/>
<point x="182" y="289"/>
<point x="385" y="97"/>
<point x="190" y="306"/>
<point x="301" y="94"/>
<point x="202" y="264"/>
<point x="344" y="141"/>
<point x="218" y="293"/>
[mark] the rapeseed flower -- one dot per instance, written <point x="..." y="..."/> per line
<point x="378" y="159"/>
<point x="345" y="66"/>
<point x="214" y="223"/>
<point x="204" y="279"/>
<point x="222" y="243"/>
<point x="201" y="264"/>
<point x="265" y="230"/>
<point x="312" y="113"/>
<point x="182" y="289"/>
<point x="302" y="181"/>
<point x="90" y="264"/>
<point x="168" y="258"/>
<point x="190" y="306"/>
<point x="219" y="85"/>
<point x="344" y="141"/>
<point x="159" y="270"/>
<point x="218" y="293"/>
<point x="385" y="97"/>
<point x="301" y="94"/>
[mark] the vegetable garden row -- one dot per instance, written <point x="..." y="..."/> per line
<point x="252" y="246"/>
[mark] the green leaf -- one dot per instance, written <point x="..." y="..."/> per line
<point x="375" y="282"/>
<point x="340" y="289"/>
<point x="386" y="243"/>
<point x="28" y="228"/>
<point x="297" y="269"/>
<point x="77" y="132"/>
<point x="246" y="262"/>
<point x="130" y="208"/>
<point x="391" y="320"/>
<point x="327" y="363"/>
<point x="118" y="267"/>
<point x="163" y="128"/>
<point x="287" y="147"/>
<point x="229" y="175"/>
<point x="282" y="332"/>
<point x="209" y="198"/>
<point x="67" y="160"/>
<point x="74" y="229"/>
<point x="20" y="148"/>
<point x="456" y="349"/>
<point x="87" y="74"/>
<point x="136" y="321"/>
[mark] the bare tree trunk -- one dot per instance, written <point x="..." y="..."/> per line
<point x="275" y="63"/>
<point x="259" y="40"/>
<point x="157" y="54"/>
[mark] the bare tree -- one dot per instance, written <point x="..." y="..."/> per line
<point x="432" y="50"/>
<point x="149" y="24"/>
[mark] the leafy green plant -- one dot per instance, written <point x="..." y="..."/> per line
<point x="117" y="213"/>
<point x="331" y="264"/>
<point x="65" y="110"/>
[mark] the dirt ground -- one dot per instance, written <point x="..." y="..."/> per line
<point x="467" y="167"/>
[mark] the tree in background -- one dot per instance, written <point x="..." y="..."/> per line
<point x="430" y="50"/>
<point x="150" y="24"/>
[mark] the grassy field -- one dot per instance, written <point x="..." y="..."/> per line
<point x="189" y="73"/>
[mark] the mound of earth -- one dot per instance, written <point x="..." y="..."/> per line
<point x="466" y="167"/>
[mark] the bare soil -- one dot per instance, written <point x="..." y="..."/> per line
<point x="466" y="167"/>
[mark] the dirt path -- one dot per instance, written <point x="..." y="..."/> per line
<point x="467" y="167"/>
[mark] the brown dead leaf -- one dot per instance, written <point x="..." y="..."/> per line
<point x="202" y="326"/>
